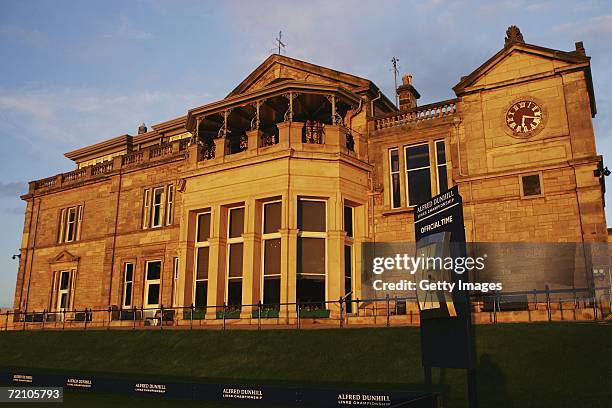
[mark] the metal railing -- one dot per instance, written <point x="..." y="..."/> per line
<point x="534" y="305"/>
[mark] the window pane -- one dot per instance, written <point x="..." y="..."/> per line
<point x="153" y="294"/>
<point x="417" y="156"/>
<point x="156" y="215"/>
<point x="395" y="180"/>
<point x="272" y="217"/>
<point x="531" y="185"/>
<point x="271" y="291"/>
<point x="64" y="281"/>
<point x="235" y="260"/>
<point x="201" y="294"/>
<point x="234" y="292"/>
<point x="311" y="255"/>
<point x="440" y="152"/>
<point x="63" y="301"/>
<point x="394" y="160"/>
<point x="348" y="261"/>
<point x="203" y="227"/>
<point x="348" y="220"/>
<point x="311" y="215"/>
<point x="419" y="186"/>
<point x="236" y="222"/>
<point x="311" y="289"/>
<point x="153" y="270"/>
<point x="272" y="256"/>
<point x="202" y="266"/>
<point x="157" y="196"/>
<point x="442" y="179"/>
<point x="128" y="294"/>
<point x="129" y="272"/>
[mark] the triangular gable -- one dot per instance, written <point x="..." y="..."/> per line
<point x="65" y="256"/>
<point x="278" y="68"/>
<point x="517" y="54"/>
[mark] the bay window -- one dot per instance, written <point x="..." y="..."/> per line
<point x="235" y="247"/>
<point x="201" y="262"/>
<point x="271" y="244"/>
<point x="311" y="251"/>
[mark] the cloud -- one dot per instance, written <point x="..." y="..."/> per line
<point x="25" y="36"/>
<point x="125" y="30"/>
<point x="597" y="25"/>
<point x="13" y="189"/>
<point x="55" y="119"/>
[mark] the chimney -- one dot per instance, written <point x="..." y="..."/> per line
<point x="580" y="48"/>
<point x="142" y="128"/>
<point x="407" y="94"/>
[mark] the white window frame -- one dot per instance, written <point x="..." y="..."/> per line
<point x="229" y="242"/>
<point x="170" y="204"/>
<point x="441" y="166"/>
<point x="315" y="234"/>
<point x="146" y="209"/>
<point x="175" y="280"/>
<point x="61" y="292"/>
<point x="149" y="282"/>
<point x="391" y="173"/>
<point x="264" y="238"/>
<point x="407" y="171"/>
<point x="160" y="206"/>
<point x="66" y="225"/>
<point x="200" y="244"/>
<point x="125" y="283"/>
<point x="349" y="241"/>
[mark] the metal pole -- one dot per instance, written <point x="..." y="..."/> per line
<point x="191" y="317"/>
<point x="6" y="322"/>
<point x="340" y="303"/>
<point x="44" y="318"/>
<point x="223" y="313"/>
<point x="161" y="318"/>
<point x="548" y="303"/>
<point x="297" y="307"/>
<point x="134" y="318"/>
<point x="259" y="315"/>
<point x="388" y="311"/>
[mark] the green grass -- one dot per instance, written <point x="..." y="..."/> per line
<point x="520" y="365"/>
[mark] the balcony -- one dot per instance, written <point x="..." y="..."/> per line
<point x="145" y="157"/>
<point x="433" y="112"/>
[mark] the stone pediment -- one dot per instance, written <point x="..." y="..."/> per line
<point x="277" y="68"/>
<point x="519" y="61"/>
<point x="65" y="257"/>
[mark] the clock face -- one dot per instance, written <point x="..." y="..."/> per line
<point x="524" y="117"/>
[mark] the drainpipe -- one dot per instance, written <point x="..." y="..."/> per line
<point x="372" y="103"/>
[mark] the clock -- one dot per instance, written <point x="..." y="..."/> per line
<point x="524" y="118"/>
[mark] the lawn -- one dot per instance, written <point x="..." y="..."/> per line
<point x="519" y="365"/>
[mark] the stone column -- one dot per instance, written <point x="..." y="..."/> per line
<point x="288" y="281"/>
<point x="254" y="137"/>
<point x="250" y="260"/>
<point x="220" y="148"/>
<point x="290" y="134"/>
<point x="216" y="262"/>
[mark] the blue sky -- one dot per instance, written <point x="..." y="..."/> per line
<point x="74" y="73"/>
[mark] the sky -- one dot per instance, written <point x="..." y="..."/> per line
<point x="73" y="73"/>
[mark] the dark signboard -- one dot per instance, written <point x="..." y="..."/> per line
<point x="445" y="313"/>
<point x="244" y="394"/>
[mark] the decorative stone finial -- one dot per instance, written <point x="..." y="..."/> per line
<point x="142" y="128"/>
<point x="407" y="79"/>
<point x="580" y="48"/>
<point x="513" y="35"/>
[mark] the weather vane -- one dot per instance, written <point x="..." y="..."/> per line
<point x="394" y="61"/>
<point x="280" y="43"/>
